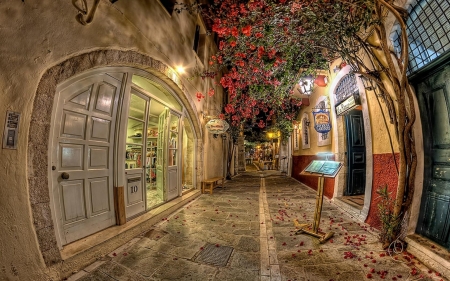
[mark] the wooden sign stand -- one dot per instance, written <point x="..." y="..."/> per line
<point x="313" y="169"/>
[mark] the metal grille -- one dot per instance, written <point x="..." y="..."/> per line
<point x="214" y="255"/>
<point x="346" y="88"/>
<point x="428" y="28"/>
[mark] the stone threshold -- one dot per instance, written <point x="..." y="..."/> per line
<point x="85" y="251"/>
<point x="429" y="253"/>
<point x="359" y="214"/>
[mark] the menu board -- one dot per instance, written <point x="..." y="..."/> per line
<point x="327" y="168"/>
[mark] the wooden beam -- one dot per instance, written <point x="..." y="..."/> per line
<point x="119" y="204"/>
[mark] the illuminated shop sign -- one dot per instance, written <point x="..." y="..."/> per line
<point x="347" y="105"/>
<point x="322" y="123"/>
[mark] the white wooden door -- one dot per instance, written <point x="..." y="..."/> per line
<point x="83" y="129"/>
<point x="173" y="185"/>
<point x="135" y="154"/>
<point x="161" y="155"/>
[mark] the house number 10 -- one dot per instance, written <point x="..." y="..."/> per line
<point x="134" y="188"/>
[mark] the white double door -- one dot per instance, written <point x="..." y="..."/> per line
<point x="87" y="155"/>
<point x="81" y="156"/>
<point x="145" y="117"/>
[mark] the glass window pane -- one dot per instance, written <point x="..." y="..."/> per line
<point x="137" y="107"/>
<point x="155" y="153"/>
<point x="133" y="157"/>
<point x="172" y="157"/>
<point x="134" y="131"/>
<point x="156" y="90"/>
<point x="173" y="140"/>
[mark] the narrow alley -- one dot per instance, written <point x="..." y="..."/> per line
<point x="245" y="231"/>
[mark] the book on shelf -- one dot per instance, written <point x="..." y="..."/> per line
<point x="326" y="168"/>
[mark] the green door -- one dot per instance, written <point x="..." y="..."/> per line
<point x="356" y="153"/>
<point x="433" y="92"/>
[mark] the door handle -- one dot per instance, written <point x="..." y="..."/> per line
<point x="65" y="176"/>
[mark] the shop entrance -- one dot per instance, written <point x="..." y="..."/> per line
<point x="151" y="154"/>
<point x="151" y="151"/>
<point x="83" y="130"/>
<point x="115" y="129"/>
<point x="356" y="150"/>
<point x="433" y="92"/>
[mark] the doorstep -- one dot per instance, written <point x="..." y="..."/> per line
<point x="85" y="251"/>
<point x="429" y="253"/>
<point x="357" y="213"/>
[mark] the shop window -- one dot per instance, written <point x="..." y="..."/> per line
<point x="428" y="30"/>
<point x="169" y="5"/>
<point x="156" y="90"/>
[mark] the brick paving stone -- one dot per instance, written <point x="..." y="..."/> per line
<point x="231" y="217"/>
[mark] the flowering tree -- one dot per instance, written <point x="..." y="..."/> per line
<point x="265" y="43"/>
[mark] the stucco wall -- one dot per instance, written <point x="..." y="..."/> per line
<point x="384" y="173"/>
<point x="318" y="93"/>
<point x="37" y="35"/>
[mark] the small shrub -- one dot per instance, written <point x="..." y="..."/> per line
<point x="390" y="224"/>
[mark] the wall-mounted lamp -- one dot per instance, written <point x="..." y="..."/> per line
<point x="306" y="84"/>
<point x="180" y="69"/>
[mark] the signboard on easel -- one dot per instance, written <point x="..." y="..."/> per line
<point x="321" y="169"/>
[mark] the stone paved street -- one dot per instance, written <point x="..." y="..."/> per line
<point x="252" y="217"/>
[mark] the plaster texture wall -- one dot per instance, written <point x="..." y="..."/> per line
<point x="39" y="35"/>
<point x="384" y="173"/>
<point x="318" y="93"/>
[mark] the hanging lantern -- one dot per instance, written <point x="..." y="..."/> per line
<point x="306" y="84"/>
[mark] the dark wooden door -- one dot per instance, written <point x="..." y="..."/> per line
<point x="356" y="153"/>
<point x="433" y="92"/>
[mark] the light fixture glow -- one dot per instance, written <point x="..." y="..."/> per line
<point x="180" y="69"/>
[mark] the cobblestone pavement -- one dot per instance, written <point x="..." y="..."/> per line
<point x="245" y="231"/>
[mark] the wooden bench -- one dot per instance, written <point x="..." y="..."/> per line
<point x="210" y="184"/>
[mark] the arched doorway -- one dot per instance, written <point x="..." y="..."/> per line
<point x="39" y="146"/>
<point x="353" y="139"/>
<point x="113" y="128"/>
